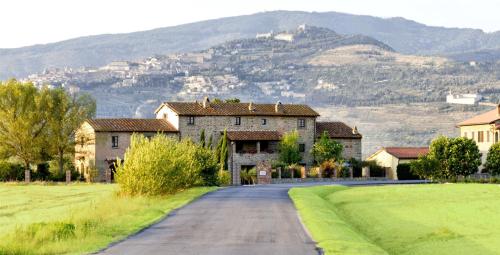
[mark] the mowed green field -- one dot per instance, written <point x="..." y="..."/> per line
<point x="24" y="204"/>
<point x="77" y="218"/>
<point x="403" y="219"/>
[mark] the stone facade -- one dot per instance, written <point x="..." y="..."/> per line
<point x="95" y="152"/>
<point x="262" y="125"/>
<point x="352" y="148"/>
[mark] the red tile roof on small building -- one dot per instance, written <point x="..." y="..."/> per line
<point x="336" y="130"/>
<point x="239" y="109"/>
<point x="131" y="125"/>
<point x="253" y="135"/>
<point x="485" y="118"/>
<point x="407" y="152"/>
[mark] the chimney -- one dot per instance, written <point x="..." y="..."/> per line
<point x="355" y="130"/>
<point x="278" y="107"/>
<point x="250" y="107"/>
<point x="498" y="109"/>
<point x="206" y="102"/>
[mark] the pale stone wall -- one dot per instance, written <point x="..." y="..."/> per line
<point x="387" y="161"/>
<point x="352" y="148"/>
<point x="488" y="130"/>
<point x="236" y="160"/>
<point x="85" y="149"/>
<point x="169" y="115"/>
<point x="98" y="148"/>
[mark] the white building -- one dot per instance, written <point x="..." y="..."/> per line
<point x="470" y="99"/>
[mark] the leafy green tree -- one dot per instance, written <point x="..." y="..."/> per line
<point x="426" y="167"/>
<point x="202" y="138"/>
<point x="223" y="151"/>
<point x="289" y="152"/>
<point x="22" y="121"/>
<point x="64" y="114"/>
<point x="232" y="100"/>
<point x="493" y="159"/>
<point x="327" y="149"/>
<point x="463" y="156"/>
<point x="448" y="157"/>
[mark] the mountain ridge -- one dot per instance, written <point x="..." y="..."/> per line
<point x="403" y="35"/>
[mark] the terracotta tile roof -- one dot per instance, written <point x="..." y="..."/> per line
<point x="239" y="109"/>
<point x="131" y="125"/>
<point x="336" y="130"/>
<point x="485" y="118"/>
<point x="407" y="152"/>
<point x="253" y="135"/>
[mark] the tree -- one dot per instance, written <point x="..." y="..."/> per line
<point x="426" y="167"/>
<point x="22" y="122"/>
<point x="326" y="149"/>
<point x="448" y="157"/>
<point x="463" y="157"/>
<point x="493" y="160"/>
<point x="223" y="151"/>
<point x="289" y="152"/>
<point x="210" y="141"/>
<point x="202" y="138"/>
<point x="64" y="114"/>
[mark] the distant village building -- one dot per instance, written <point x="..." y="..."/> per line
<point x="253" y="130"/>
<point x="470" y="99"/>
<point x="390" y="157"/>
<point x="484" y="129"/>
<point x="264" y="35"/>
<point x="284" y="37"/>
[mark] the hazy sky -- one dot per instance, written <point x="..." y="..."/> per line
<point x="27" y="22"/>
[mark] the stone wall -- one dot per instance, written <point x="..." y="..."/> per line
<point x="215" y="125"/>
<point x="97" y="148"/>
<point x="352" y="148"/>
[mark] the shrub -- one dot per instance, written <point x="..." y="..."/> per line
<point x="404" y="172"/>
<point x="11" y="172"/>
<point x="426" y="167"/>
<point x="224" y="178"/>
<point x="159" y="166"/>
<point x="493" y="160"/>
<point x="375" y="169"/>
<point x="57" y="175"/>
<point x="357" y="167"/>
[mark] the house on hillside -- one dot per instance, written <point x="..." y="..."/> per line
<point x="253" y="132"/>
<point x="484" y="129"/>
<point x="390" y="157"/>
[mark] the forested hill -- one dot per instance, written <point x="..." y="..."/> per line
<point x="308" y="64"/>
<point x="403" y="35"/>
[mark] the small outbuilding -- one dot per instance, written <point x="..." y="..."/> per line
<point x="390" y="157"/>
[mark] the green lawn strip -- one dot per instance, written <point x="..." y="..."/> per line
<point x="328" y="229"/>
<point x="404" y="219"/>
<point x="93" y="225"/>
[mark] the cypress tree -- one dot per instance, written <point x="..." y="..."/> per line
<point x="202" y="138"/>
<point x="210" y="141"/>
<point x="224" y="151"/>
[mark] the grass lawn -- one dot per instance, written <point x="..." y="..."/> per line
<point x="404" y="219"/>
<point x="78" y="218"/>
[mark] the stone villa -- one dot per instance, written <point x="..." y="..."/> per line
<point x="253" y="131"/>
<point x="484" y="129"/>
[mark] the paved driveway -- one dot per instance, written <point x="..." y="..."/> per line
<point x="233" y="221"/>
<point x="236" y="220"/>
